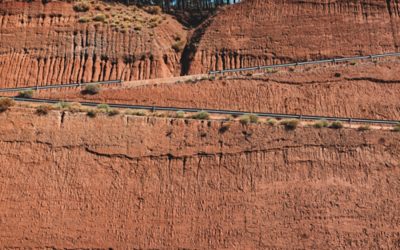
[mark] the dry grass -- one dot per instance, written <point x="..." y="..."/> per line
<point x="120" y="17"/>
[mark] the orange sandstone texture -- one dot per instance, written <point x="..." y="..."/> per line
<point x="46" y="44"/>
<point x="260" y="32"/>
<point x="69" y="181"/>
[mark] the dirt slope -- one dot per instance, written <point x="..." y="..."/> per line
<point x="52" y="43"/>
<point x="68" y="181"/>
<point x="363" y="90"/>
<point x="259" y="32"/>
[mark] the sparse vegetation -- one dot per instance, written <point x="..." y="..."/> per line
<point x="26" y="93"/>
<point x="336" y="125"/>
<point x="396" y="128"/>
<point x="321" y="124"/>
<point x="75" y="107"/>
<point x="272" y="122"/>
<point x="112" y="112"/>
<point x="253" y="118"/>
<point x="81" y="7"/>
<point x="91" y="89"/>
<point x="290" y="124"/>
<point x="6" y="103"/>
<point x="202" y="115"/>
<point x="103" y="106"/>
<point x="244" y="119"/>
<point x="63" y="105"/>
<point x="180" y="114"/>
<point x="248" y="118"/>
<point x="364" y="128"/>
<point x="43" y="109"/>
<point x="337" y="74"/>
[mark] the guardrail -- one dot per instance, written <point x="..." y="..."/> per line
<point x="57" y="86"/>
<point x="334" y="60"/>
<point x="224" y="112"/>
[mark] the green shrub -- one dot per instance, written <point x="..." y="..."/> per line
<point x="63" y="105"/>
<point x="364" y="128"/>
<point x="26" y="93"/>
<point x="253" y="118"/>
<point x="244" y="119"/>
<point x="321" y="124"/>
<point x="139" y="113"/>
<point x="113" y="112"/>
<point x="91" y="113"/>
<point x="290" y="124"/>
<point x="99" y="18"/>
<point x="81" y="7"/>
<point x="337" y="74"/>
<point x="272" y="122"/>
<point x="396" y="128"/>
<point x="180" y="114"/>
<point x="336" y="125"/>
<point x="6" y="103"/>
<point x="43" y="109"/>
<point x="203" y="115"/>
<point x="248" y="118"/>
<point x="74" y="107"/>
<point x="103" y="106"/>
<point x="91" y="89"/>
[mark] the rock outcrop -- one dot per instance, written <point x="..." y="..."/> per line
<point x="51" y="43"/>
<point x="69" y="181"/>
<point x="260" y="32"/>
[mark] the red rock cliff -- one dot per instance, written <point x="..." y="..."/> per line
<point x="68" y="181"/>
<point x="51" y="43"/>
<point x="260" y="32"/>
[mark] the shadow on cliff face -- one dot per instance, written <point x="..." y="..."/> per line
<point x="191" y="46"/>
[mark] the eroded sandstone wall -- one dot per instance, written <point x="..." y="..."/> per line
<point x="68" y="181"/>
<point x="45" y="43"/>
<point x="259" y="32"/>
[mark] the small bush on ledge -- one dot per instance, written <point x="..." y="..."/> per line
<point x="26" y="93"/>
<point x="91" y="89"/>
<point x="203" y="115"/>
<point x="290" y="124"/>
<point x="364" y="128"/>
<point x="6" y="103"/>
<point x="321" y="124"/>
<point x="43" y="109"/>
<point x="396" y="128"/>
<point x="336" y="125"/>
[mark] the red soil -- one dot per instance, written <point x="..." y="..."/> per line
<point x="73" y="182"/>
